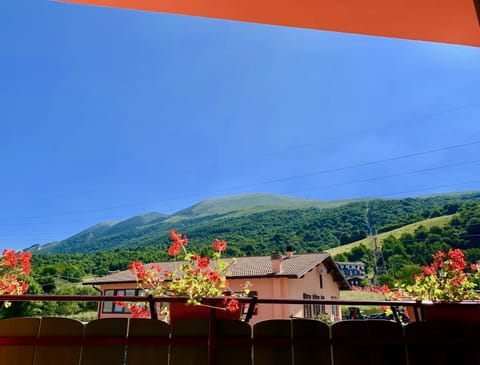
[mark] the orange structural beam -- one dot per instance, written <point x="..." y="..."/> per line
<point x="446" y="21"/>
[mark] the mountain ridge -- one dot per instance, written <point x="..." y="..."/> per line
<point x="211" y="209"/>
<point x="231" y="216"/>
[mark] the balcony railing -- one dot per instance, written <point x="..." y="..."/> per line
<point x="122" y="341"/>
<point x="417" y="306"/>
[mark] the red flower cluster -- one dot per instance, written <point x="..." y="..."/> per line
<point x="451" y="265"/>
<point x="455" y="260"/>
<point x="376" y="289"/>
<point x="178" y="242"/>
<point x="142" y="273"/>
<point x="139" y="311"/>
<point x="14" y="268"/>
<point x="219" y="245"/>
<point x="232" y="305"/>
<point x="11" y="259"/>
<point x="428" y="270"/>
<point x="202" y="262"/>
<point x="214" y="277"/>
<point x="444" y="279"/>
<point x="196" y="277"/>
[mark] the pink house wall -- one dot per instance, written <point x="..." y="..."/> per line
<point x="280" y="287"/>
<point x="267" y="288"/>
<point x="311" y="284"/>
<point x="292" y="289"/>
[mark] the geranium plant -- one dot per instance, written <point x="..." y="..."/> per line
<point x="446" y="279"/>
<point x="196" y="278"/>
<point x="14" y="268"/>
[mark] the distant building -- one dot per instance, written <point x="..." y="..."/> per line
<point x="354" y="272"/>
<point x="302" y="276"/>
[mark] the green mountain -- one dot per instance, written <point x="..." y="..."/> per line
<point x="134" y="222"/>
<point x="260" y="223"/>
<point x="151" y="226"/>
<point x="250" y="203"/>
<point x="86" y="235"/>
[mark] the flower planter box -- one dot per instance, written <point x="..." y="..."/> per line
<point x="464" y="312"/>
<point x="457" y="312"/>
<point x="180" y="310"/>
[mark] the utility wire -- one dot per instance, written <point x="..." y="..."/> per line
<point x="265" y="182"/>
<point x="379" y="196"/>
<point x="430" y="188"/>
<point x="414" y="172"/>
<point x="354" y="166"/>
<point x="343" y="136"/>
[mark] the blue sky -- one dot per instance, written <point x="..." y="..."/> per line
<point x="109" y="113"/>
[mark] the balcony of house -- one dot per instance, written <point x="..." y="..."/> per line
<point x="294" y="341"/>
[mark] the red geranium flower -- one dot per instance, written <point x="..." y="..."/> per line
<point x="196" y="277"/>
<point x="219" y="245"/>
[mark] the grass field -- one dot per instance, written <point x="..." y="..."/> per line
<point x="357" y="295"/>
<point x="84" y="316"/>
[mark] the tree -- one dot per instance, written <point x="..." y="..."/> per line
<point x="341" y="257"/>
<point x="407" y="272"/>
<point x="67" y="308"/>
<point x="358" y="253"/>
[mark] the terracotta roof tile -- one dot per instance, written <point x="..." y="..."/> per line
<point x="250" y="267"/>
<point x="296" y="266"/>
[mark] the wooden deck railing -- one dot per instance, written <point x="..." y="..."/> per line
<point x="117" y="341"/>
<point x="120" y="341"/>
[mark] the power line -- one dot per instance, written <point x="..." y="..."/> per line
<point x="379" y="196"/>
<point x="349" y="167"/>
<point x="375" y="128"/>
<point x="309" y="189"/>
<point x="430" y="188"/>
<point x="398" y="122"/>
<point x="385" y="176"/>
<point x="266" y="182"/>
<point x="40" y="223"/>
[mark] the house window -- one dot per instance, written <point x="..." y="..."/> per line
<point x="322" y="306"/>
<point x="307" y="308"/>
<point x="111" y="307"/>
<point x="318" y="309"/>
<point x="334" y="308"/>
<point x="320" y="278"/>
<point x="313" y="310"/>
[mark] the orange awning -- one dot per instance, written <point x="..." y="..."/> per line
<point x="446" y="21"/>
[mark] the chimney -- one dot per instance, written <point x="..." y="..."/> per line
<point x="289" y="252"/>
<point x="276" y="262"/>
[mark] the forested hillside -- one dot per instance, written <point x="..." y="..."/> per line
<point x="404" y="255"/>
<point x="305" y="229"/>
<point x="463" y="231"/>
<point x="151" y="228"/>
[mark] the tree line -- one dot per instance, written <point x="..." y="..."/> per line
<point x="304" y="230"/>
<point x="404" y="256"/>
